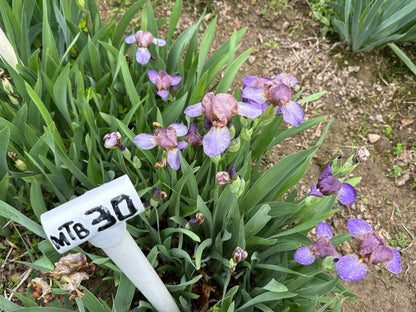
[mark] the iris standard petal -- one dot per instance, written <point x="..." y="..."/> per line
<point x="130" y="39"/>
<point x="314" y="192"/>
<point x="163" y="94"/>
<point x="323" y="229"/>
<point x="394" y="266"/>
<point x="180" y="128"/>
<point x="160" y="42"/>
<point x="292" y="113"/>
<point x="174" y="159"/>
<point x="304" y="256"/>
<point x="248" y="110"/>
<point x="327" y="172"/>
<point x="194" y="110"/>
<point x="176" y="80"/>
<point x="347" y="194"/>
<point x="216" y="141"/>
<point x="152" y="75"/>
<point x="142" y="56"/>
<point x="350" y="268"/>
<point x="253" y="94"/>
<point x="357" y="227"/>
<point x="145" y="141"/>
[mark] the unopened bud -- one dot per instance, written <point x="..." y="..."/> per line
<point x="239" y="255"/>
<point x="199" y="218"/>
<point x="362" y="154"/>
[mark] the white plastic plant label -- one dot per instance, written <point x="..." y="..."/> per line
<point x="97" y="216"/>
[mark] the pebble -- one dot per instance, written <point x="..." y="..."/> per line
<point x="379" y="118"/>
<point x="400" y="181"/>
<point x="353" y="69"/>
<point x="251" y="59"/>
<point x="373" y="138"/>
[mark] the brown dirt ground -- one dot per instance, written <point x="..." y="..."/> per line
<point x="366" y="93"/>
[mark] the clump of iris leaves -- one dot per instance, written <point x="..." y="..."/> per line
<point x="77" y="81"/>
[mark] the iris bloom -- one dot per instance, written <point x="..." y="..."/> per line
<point x="262" y="92"/>
<point x="321" y="248"/>
<point x="163" y="82"/>
<point x="219" y="110"/>
<point x="167" y="140"/>
<point x="143" y="40"/>
<point x="372" y="250"/>
<point x="329" y="185"/>
<point x="113" y="141"/>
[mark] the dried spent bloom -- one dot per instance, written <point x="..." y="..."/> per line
<point x="199" y="218"/>
<point x="362" y="154"/>
<point x="219" y="110"/>
<point x="113" y="141"/>
<point x="70" y="271"/>
<point x="372" y="250"/>
<point x="320" y="248"/>
<point x="144" y="39"/>
<point x="193" y="137"/>
<point x="163" y="82"/>
<point x="329" y="185"/>
<point x="40" y="290"/>
<point x="167" y="140"/>
<point x="223" y="177"/>
<point x="262" y="92"/>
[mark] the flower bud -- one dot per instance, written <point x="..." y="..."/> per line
<point x="239" y="255"/>
<point x="113" y="141"/>
<point x="199" y="218"/>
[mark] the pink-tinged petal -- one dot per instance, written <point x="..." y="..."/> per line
<point x="176" y="80"/>
<point x="350" y="268"/>
<point x="394" y="266"/>
<point x="174" y="159"/>
<point x="152" y="75"/>
<point x="142" y="56"/>
<point x="358" y="227"/>
<point x="180" y="128"/>
<point x="248" y="110"/>
<point x="323" y="229"/>
<point x="194" y="110"/>
<point x="145" y="141"/>
<point x="159" y="42"/>
<point x="216" y="141"/>
<point x="130" y="39"/>
<point x="163" y="94"/>
<point x="250" y="81"/>
<point x="292" y="113"/>
<point x="182" y="144"/>
<point x="314" y="192"/>
<point x="327" y="172"/>
<point x="253" y="94"/>
<point x="347" y="194"/>
<point x="304" y="256"/>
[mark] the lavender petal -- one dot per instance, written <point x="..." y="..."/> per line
<point x="194" y="110"/>
<point x="394" y="266"/>
<point x="248" y="110"/>
<point x="163" y="94"/>
<point x="357" y="227"/>
<point x="249" y="81"/>
<point x="152" y="75"/>
<point x="350" y="268"/>
<point x="145" y="141"/>
<point x="130" y="39"/>
<point x="304" y="256"/>
<point x="182" y="144"/>
<point x="142" y="56"/>
<point x="323" y="229"/>
<point x="314" y="192"/>
<point x="176" y="80"/>
<point x="327" y="172"/>
<point x="292" y="113"/>
<point x="216" y="141"/>
<point x="180" y="128"/>
<point x="347" y="194"/>
<point x="253" y="94"/>
<point x="174" y="159"/>
<point x="160" y="42"/>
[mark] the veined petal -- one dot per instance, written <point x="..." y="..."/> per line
<point x="394" y="266"/>
<point x="194" y="110"/>
<point x="358" y="227"/>
<point x="145" y="141"/>
<point x="304" y="256"/>
<point x="174" y="159"/>
<point x="347" y="194"/>
<point x="350" y="268"/>
<point x="253" y="94"/>
<point x="248" y="110"/>
<point x="130" y="39"/>
<point x="163" y="94"/>
<point x="292" y="113"/>
<point x="176" y="80"/>
<point x="216" y="141"/>
<point x="152" y="75"/>
<point x="180" y="128"/>
<point x="314" y="192"/>
<point x="323" y="229"/>
<point x="142" y="56"/>
<point x="160" y="42"/>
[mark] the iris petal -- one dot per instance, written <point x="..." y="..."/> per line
<point x="314" y="192"/>
<point x="180" y="129"/>
<point x="163" y="94"/>
<point x="159" y="42"/>
<point x="174" y="159"/>
<point x="304" y="256"/>
<point x="194" y="110"/>
<point x="253" y="94"/>
<point x="142" y="56"/>
<point x="327" y="172"/>
<point x="347" y="194"/>
<point x="176" y="80"/>
<point x="130" y="39"/>
<point x="249" y="81"/>
<point x="145" y="141"/>
<point x="350" y="268"/>
<point x="152" y="75"/>
<point x="216" y="141"/>
<point x="248" y="110"/>
<point x="357" y="227"/>
<point x="292" y="113"/>
<point x="394" y="266"/>
<point x="323" y="229"/>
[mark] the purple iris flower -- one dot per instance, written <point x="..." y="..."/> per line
<point x="372" y="250"/>
<point x="321" y="248"/>
<point x="166" y="139"/>
<point x="163" y="82"/>
<point x="219" y="110"/>
<point x="143" y="40"/>
<point x="329" y="185"/>
<point x="262" y="92"/>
